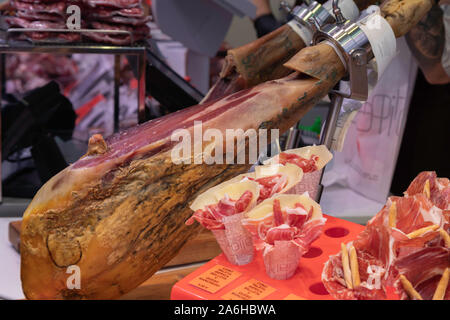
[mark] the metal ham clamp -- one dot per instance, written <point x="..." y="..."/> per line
<point x="305" y="18"/>
<point x="322" y="14"/>
<point x="356" y="44"/>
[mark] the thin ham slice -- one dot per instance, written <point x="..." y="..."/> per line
<point x="307" y="165"/>
<point x="211" y="217"/>
<point x="270" y="186"/>
<point x="439" y="189"/>
<point x="423" y="269"/>
<point x="292" y="224"/>
<point x="369" y="269"/>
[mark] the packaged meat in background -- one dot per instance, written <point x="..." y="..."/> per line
<point x="117" y="15"/>
<point x="17" y="22"/>
<point x="408" y="243"/>
<point x="25" y="71"/>
<point x="129" y="16"/>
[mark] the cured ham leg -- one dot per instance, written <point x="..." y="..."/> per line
<point x="119" y="213"/>
<point x="261" y="60"/>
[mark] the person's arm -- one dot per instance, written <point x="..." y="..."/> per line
<point x="427" y="43"/>
<point x="262" y="7"/>
<point x="264" y="21"/>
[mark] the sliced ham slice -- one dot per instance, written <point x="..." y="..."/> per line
<point x="370" y="269"/>
<point x="307" y="165"/>
<point x="423" y="269"/>
<point x="211" y="217"/>
<point x="439" y="189"/>
<point x="292" y="224"/>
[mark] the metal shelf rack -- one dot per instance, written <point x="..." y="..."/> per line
<point x="9" y="45"/>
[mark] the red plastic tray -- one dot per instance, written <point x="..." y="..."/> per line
<point x="306" y="283"/>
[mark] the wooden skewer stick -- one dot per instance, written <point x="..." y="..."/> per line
<point x="412" y="293"/>
<point x="422" y="231"/>
<point x="445" y="236"/>
<point x="346" y="266"/>
<point x="442" y="286"/>
<point x="426" y="189"/>
<point x="393" y="215"/>
<point x="355" y="267"/>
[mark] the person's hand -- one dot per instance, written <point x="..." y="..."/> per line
<point x="262" y="7"/>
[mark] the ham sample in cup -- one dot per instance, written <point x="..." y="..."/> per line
<point x="221" y="210"/>
<point x="235" y="241"/>
<point x="281" y="260"/>
<point x="287" y="225"/>
<point x="311" y="160"/>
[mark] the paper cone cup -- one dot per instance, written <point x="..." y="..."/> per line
<point x="235" y="241"/>
<point x="281" y="260"/>
<point x="310" y="183"/>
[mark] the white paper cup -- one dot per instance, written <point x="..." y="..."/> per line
<point x="310" y="183"/>
<point x="235" y="241"/>
<point x="281" y="260"/>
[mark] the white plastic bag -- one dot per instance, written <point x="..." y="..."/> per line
<point x="368" y="159"/>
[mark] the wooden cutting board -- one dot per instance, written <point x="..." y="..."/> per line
<point x="194" y="253"/>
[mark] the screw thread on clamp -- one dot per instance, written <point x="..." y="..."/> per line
<point x="305" y="12"/>
<point x="340" y="19"/>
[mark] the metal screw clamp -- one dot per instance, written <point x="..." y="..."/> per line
<point x="354" y="49"/>
<point x="305" y="12"/>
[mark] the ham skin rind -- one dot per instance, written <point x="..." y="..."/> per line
<point x="120" y="215"/>
<point x="259" y="61"/>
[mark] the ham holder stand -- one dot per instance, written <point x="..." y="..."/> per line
<point x="355" y="51"/>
